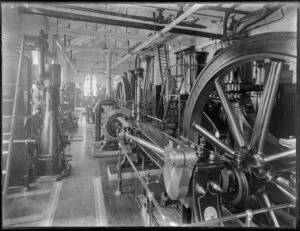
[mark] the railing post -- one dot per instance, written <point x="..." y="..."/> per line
<point x="249" y="217"/>
<point x="26" y="180"/>
<point x="119" y="168"/>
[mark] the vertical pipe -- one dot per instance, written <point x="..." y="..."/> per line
<point x="42" y="64"/>
<point x="26" y="180"/>
<point x="138" y="98"/>
<point x="109" y="73"/>
<point x="13" y="119"/>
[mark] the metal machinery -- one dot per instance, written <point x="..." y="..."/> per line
<point x="45" y="133"/>
<point x="89" y="104"/>
<point x="107" y="112"/>
<point x="232" y="165"/>
<point x="69" y="120"/>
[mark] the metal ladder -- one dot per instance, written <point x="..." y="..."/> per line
<point x="164" y="66"/>
<point x="7" y="138"/>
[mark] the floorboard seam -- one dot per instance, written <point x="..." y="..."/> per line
<point x="22" y="220"/>
<point x="101" y="219"/>
<point x="52" y="204"/>
<point x="27" y="194"/>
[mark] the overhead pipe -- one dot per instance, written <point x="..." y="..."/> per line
<point x="97" y="11"/>
<point x="62" y="49"/>
<point x="183" y="16"/>
<point x="58" y="13"/>
<point x="109" y="73"/>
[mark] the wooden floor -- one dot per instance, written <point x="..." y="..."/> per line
<point x="85" y="198"/>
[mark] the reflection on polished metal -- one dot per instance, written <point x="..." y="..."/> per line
<point x="145" y="143"/>
<point x="249" y="217"/>
<point x="291" y="153"/>
<point x="213" y="139"/>
<point x="272" y="214"/>
<point x="263" y="119"/>
<point x="233" y="124"/>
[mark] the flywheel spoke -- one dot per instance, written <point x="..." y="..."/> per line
<point x="285" y="155"/>
<point x="272" y="214"/>
<point x="265" y="110"/>
<point x="214" y="140"/>
<point x="233" y="124"/>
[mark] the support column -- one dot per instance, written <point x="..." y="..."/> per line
<point x="109" y="74"/>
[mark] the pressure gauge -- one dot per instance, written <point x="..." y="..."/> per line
<point x="210" y="213"/>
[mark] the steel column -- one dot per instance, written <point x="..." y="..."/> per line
<point x="109" y="74"/>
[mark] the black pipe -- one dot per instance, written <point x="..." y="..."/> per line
<point x="144" y="26"/>
<point x="123" y="15"/>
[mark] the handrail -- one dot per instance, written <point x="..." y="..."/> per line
<point x="13" y="121"/>
<point x="171" y="222"/>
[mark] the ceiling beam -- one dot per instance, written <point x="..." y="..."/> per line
<point x="165" y="30"/>
<point x="80" y="32"/>
<point x="83" y="16"/>
<point x="122" y="15"/>
<point x="90" y="48"/>
<point x="212" y="8"/>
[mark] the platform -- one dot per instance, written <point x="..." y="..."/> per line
<point x="83" y="199"/>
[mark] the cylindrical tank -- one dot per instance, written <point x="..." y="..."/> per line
<point x="50" y="160"/>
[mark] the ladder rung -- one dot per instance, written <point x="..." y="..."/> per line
<point x="9" y="116"/>
<point x="4" y="152"/>
<point x="6" y="134"/>
<point x="8" y="100"/>
<point x="5" y="141"/>
<point x="8" y="84"/>
<point x="3" y="172"/>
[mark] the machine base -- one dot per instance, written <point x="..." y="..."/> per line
<point x="128" y="173"/>
<point x="157" y="218"/>
<point x="98" y="151"/>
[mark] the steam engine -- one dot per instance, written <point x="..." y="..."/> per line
<point x="233" y="157"/>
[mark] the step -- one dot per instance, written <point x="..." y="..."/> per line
<point x="10" y="116"/>
<point x="8" y="84"/>
<point x="8" y="100"/>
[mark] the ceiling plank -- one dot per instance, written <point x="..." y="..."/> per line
<point x="90" y="48"/>
<point x="80" y="32"/>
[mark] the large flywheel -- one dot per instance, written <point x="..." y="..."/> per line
<point x="123" y="93"/>
<point x="240" y="92"/>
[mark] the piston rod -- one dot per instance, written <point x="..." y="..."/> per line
<point x="213" y="139"/>
<point x="145" y="143"/>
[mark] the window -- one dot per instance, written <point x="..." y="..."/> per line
<point x="90" y="85"/>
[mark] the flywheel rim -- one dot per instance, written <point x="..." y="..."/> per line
<point x="279" y="46"/>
